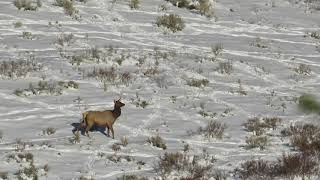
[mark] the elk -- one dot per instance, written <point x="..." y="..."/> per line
<point x="102" y="118"/>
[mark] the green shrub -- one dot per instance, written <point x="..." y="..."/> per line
<point x="309" y="104"/>
<point x="17" y="24"/>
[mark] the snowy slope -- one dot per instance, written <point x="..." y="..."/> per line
<point x="267" y="76"/>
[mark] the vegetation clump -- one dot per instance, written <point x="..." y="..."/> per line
<point x="27" y="5"/>
<point x="18" y="69"/>
<point x="184" y="166"/>
<point x="214" y="129"/>
<point x="173" y="22"/>
<point x="67" y="5"/>
<point x="134" y="4"/>
<point x="131" y="177"/>
<point x="289" y="166"/>
<point x="198" y="82"/>
<point x="157" y="141"/>
<point x="309" y="104"/>
<point x="46" y="88"/>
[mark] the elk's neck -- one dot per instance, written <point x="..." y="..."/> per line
<point x="116" y="112"/>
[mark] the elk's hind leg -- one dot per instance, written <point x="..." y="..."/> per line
<point x="81" y="126"/>
<point x="89" y="126"/>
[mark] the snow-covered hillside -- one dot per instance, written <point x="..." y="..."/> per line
<point x="245" y="59"/>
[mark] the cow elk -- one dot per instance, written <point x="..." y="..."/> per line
<point x="102" y="118"/>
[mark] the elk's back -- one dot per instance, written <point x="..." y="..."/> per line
<point x="100" y="117"/>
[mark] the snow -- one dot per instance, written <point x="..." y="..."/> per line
<point x="285" y="30"/>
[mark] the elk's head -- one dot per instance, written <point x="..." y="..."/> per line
<point x="118" y="103"/>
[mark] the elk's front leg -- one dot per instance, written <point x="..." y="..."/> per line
<point x="111" y="128"/>
<point x="108" y="131"/>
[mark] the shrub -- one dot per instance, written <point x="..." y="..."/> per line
<point x="299" y="164"/>
<point x="47" y="88"/>
<point x="3" y="175"/>
<point x="272" y="122"/>
<point x="241" y="90"/>
<point x="315" y="35"/>
<point x="257" y="142"/>
<point x="152" y="71"/>
<point x="115" y="147"/>
<point x="18" y="92"/>
<point x="258" y="125"/>
<point x="255" y="125"/>
<point x="140" y="103"/>
<point x="254" y="169"/>
<point x="305" y="138"/>
<point x="162" y="7"/>
<point x="48" y="131"/>
<point x="180" y="3"/>
<point x="109" y="76"/>
<point x="214" y="129"/>
<point x="27" y="5"/>
<point x="116" y="158"/>
<point x="198" y="83"/>
<point x="309" y="104"/>
<point x="225" y="67"/>
<point x="17" y="24"/>
<point x="134" y="4"/>
<point x="288" y="166"/>
<point x="204" y="7"/>
<point x="259" y="43"/>
<point x="30" y="172"/>
<point x="46" y="168"/>
<point x="65" y="39"/>
<point x="20" y="145"/>
<point x="20" y="157"/>
<point x="131" y="177"/>
<point x="157" y="141"/>
<point x="217" y="49"/>
<point x="172" y="22"/>
<point x="67" y="6"/>
<point x="27" y="35"/>
<point x="184" y="166"/>
<point x="303" y="69"/>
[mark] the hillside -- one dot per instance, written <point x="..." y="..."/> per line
<point x="227" y="64"/>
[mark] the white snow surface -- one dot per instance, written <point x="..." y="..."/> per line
<point x="283" y="27"/>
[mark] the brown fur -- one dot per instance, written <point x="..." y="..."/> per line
<point x="102" y="118"/>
